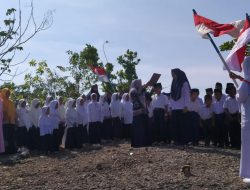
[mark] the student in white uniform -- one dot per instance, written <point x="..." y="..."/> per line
<point x="106" y="128"/>
<point x="193" y="118"/>
<point x="115" y="109"/>
<point x="180" y="96"/>
<point x="243" y="98"/>
<point x="94" y="118"/>
<point x="48" y="100"/>
<point x="45" y="130"/>
<point x="160" y="106"/>
<point x="127" y="115"/>
<point x="62" y="112"/>
<point x="220" y="138"/>
<point x="55" y="119"/>
<point x="82" y="119"/>
<point x="73" y="138"/>
<point x="206" y="115"/>
<point x="34" y="131"/>
<point x="231" y="107"/>
<point x="24" y="124"/>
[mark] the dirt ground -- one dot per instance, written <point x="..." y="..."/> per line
<point x="118" y="166"/>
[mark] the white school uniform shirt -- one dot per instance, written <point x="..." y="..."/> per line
<point x="62" y="112"/>
<point x="54" y="114"/>
<point x="35" y="113"/>
<point x="160" y="101"/>
<point x="127" y="112"/>
<point x="194" y="105"/>
<point x="94" y="112"/>
<point x="206" y="112"/>
<point x="115" y="106"/>
<point x="44" y="123"/>
<point x="218" y="106"/>
<point x="105" y="108"/>
<point x="82" y="114"/>
<point x="231" y="104"/>
<point x="71" y="114"/>
<point x="200" y="100"/>
<point x="184" y="99"/>
<point x="23" y="118"/>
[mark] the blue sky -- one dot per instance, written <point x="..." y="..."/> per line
<point x="161" y="31"/>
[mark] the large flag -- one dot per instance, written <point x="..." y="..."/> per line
<point x="205" y="26"/>
<point x="237" y="54"/>
<point x="101" y="73"/>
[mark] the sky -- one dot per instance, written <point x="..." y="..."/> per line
<point x="162" y="32"/>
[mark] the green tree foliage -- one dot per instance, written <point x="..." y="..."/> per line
<point x="125" y="76"/>
<point x="14" y="33"/>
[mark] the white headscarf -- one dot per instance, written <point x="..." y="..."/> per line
<point x="23" y="116"/>
<point x="127" y="110"/>
<point x="48" y="100"/>
<point x="54" y="114"/>
<point x="82" y="115"/>
<point x="44" y="122"/>
<point x="35" y="113"/>
<point x="105" y="107"/>
<point x="71" y="114"/>
<point x="115" y="105"/>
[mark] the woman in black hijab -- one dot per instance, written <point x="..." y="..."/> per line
<point x="179" y="98"/>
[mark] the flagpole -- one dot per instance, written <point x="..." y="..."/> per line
<point x="221" y="57"/>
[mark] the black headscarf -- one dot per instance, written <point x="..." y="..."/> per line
<point x="177" y="84"/>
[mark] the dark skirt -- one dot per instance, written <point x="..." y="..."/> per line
<point x="46" y="143"/>
<point x="33" y="138"/>
<point x="117" y="126"/>
<point x="9" y="137"/>
<point x="22" y="136"/>
<point x="73" y="138"/>
<point x="83" y="133"/>
<point x="138" y="134"/>
<point x="178" y="130"/>
<point x="55" y="140"/>
<point x="126" y="128"/>
<point x="94" y="132"/>
<point x="107" y="129"/>
<point x="61" y="130"/>
<point x="159" y="125"/>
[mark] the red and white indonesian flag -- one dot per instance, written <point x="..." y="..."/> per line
<point x="237" y="54"/>
<point x="205" y="26"/>
<point x="101" y="73"/>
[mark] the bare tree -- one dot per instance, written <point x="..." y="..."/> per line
<point x="15" y="33"/>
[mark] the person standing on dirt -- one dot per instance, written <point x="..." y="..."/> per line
<point x="180" y="96"/>
<point x="244" y="99"/>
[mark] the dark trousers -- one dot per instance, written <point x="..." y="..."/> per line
<point x="94" y="132"/>
<point x="159" y="125"/>
<point x="178" y="127"/>
<point x="193" y="122"/>
<point x="9" y="137"/>
<point x="208" y="130"/>
<point x="234" y="131"/>
<point x="220" y="135"/>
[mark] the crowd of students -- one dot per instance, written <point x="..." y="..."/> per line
<point x="145" y="118"/>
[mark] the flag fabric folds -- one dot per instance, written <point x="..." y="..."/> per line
<point x="237" y="54"/>
<point x="101" y="73"/>
<point x="205" y="26"/>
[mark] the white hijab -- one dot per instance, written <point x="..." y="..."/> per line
<point x="35" y="113"/>
<point x="82" y="116"/>
<point x="44" y="122"/>
<point x="48" y="100"/>
<point x="71" y="114"/>
<point x="115" y="105"/>
<point x="54" y="114"/>
<point x="23" y="115"/>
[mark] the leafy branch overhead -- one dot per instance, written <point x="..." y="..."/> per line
<point x="14" y="33"/>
